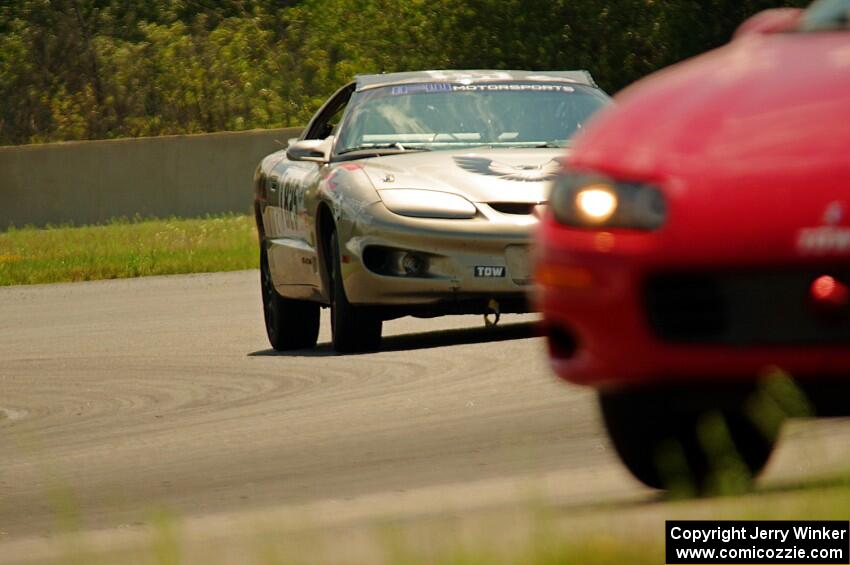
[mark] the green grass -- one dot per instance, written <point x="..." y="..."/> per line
<point x="535" y="533"/>
<point x="127" y="248"/>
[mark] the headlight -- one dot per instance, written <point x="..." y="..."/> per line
<point x="596" y="203"/>
<point x="427" y="204"/>
<point x="593" y="201"/>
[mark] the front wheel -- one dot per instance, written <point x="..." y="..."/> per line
<point x="290" y="324"/>
<point x="690" y="441"/>
<point x="355" y="329"/>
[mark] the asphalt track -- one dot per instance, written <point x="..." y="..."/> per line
<point x="119" y="399"/>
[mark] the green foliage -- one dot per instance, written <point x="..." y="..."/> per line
<point x="93" y="69"/>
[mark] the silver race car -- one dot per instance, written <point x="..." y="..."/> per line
<point x="412" y="194"/>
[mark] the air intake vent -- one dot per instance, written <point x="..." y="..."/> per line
<point x="516" y="208"/>
<point x="687" y="308"/>
<point x="745" y="308"/>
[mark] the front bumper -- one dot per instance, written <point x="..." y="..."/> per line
<point x="454" y="250"/>
<point x="603" y="329"/>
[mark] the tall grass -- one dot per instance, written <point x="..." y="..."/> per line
<point x="127" y="248"/>
<point x="617" y="534"/>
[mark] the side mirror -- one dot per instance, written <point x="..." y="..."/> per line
<point x="316" y="150"/>
<point x="775" y="20"/>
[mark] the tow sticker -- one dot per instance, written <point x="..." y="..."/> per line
<point x="489" y="272"/>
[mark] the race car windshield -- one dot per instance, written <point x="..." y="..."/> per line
<point x="827" y="15"/>
<point x="447" y="116"/>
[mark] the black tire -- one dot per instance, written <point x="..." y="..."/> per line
<point x="290" y="324"/>
<point x="355" y="329"/>
<point x="688" y="441"/>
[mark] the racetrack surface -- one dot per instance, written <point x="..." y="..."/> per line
<point x="119" y="399"/>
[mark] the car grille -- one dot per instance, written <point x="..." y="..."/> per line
<point x="762" y="308"/>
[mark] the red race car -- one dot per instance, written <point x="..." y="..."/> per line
<point x="695" y="261"/>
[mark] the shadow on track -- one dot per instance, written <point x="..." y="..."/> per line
<point x="424" y="340"/>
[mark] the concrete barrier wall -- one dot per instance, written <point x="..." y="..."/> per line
<point x="92" y="181"/>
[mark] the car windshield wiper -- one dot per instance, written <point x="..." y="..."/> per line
<point x="394" y="147"/>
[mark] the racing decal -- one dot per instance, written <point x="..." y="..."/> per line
<point x="513" y="87"/>
<point x="470" y="86"/>
<point x="422" y="87"/>
<point x="489" y="272"/>
<point x="341" y="202"/>
<point x="291" y="198"/>
<point x="520" y="173"/>
<point x="828" y="238"/>
<point x="332" y="183"/>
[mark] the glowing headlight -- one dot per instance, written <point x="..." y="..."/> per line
<point x="593" y="201"/>
<point x="427" y="204"/>
<point x="597" y="203"/>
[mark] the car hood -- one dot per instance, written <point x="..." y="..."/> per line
<point x="477" y="174"/>
<point x="749" y="143"/>
<point x="757" y="102"/>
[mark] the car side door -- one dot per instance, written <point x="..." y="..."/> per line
<point x="293" y="184"/>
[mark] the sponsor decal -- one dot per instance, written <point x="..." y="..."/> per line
<point x="489" y="272"/>
<point x="519" y="173"/>
<point x="828" y="238"/>
<point x="470" y="86"/>
<point x="512" y="87"/>
<point x="426" y="87"/>
<point x="332" y="182"/>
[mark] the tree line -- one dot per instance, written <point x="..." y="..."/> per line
<point x="99" y="69"/>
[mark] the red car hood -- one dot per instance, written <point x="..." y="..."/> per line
<point x="756" y="103"/>
<point x="750" y="143"/>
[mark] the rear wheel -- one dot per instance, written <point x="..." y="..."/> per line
<point x="688" y="440"/>
<point x="290" y="324"/>
<point x="355" y="329"/>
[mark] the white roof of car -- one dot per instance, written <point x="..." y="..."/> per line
<point x="366" y="82"/>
